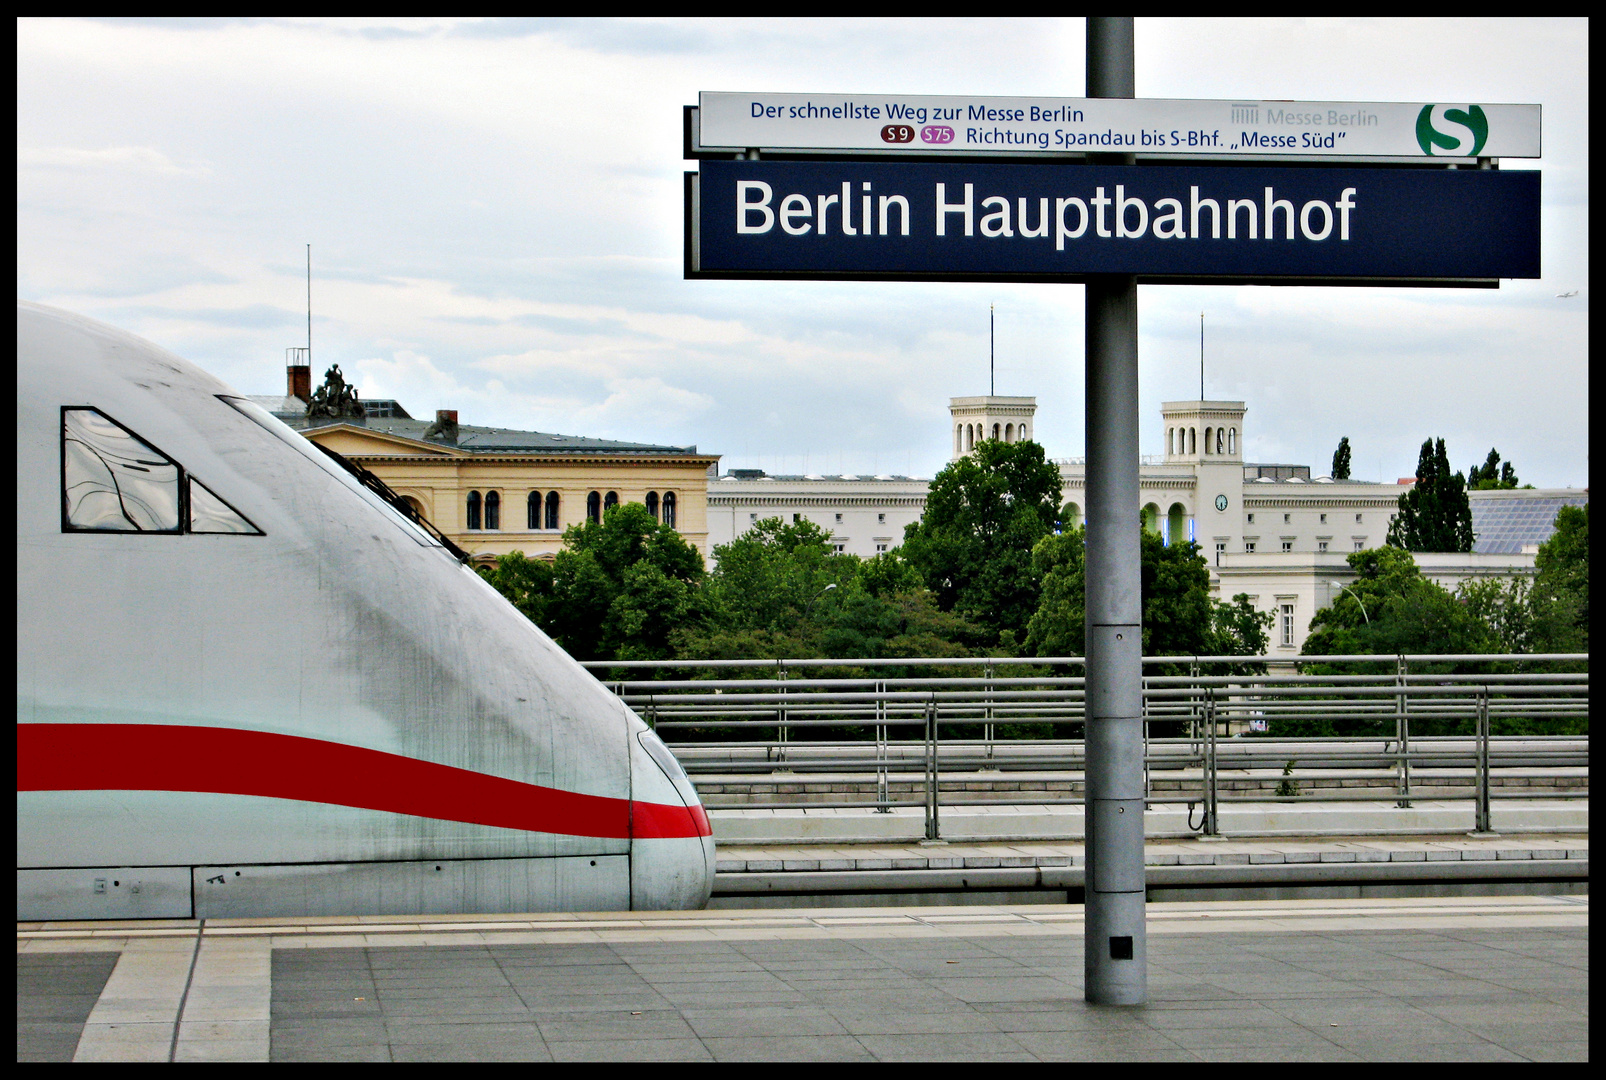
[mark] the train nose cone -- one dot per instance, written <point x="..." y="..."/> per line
<point x="672" y="843"/>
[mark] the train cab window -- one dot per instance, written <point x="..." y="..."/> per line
<point x="114" y="481"/>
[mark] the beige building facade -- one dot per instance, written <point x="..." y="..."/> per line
<point x="495" y="490"/>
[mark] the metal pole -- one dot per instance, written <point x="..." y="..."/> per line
<point x="1402" y="732"/>
<point x="1114" y="947"/>
<point x="1481" y="821"/>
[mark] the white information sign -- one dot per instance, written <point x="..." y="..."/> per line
<point x="890" y="123"/>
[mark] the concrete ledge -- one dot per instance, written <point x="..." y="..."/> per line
<point x="1072" y="877"/>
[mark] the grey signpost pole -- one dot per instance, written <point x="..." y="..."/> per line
<point x="1115" y="948"/>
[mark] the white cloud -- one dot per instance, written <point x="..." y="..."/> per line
<point x="131" y="158"/>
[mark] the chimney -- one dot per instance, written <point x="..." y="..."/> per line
<point x="444" y="428"/>
<point x="298" y="381"/>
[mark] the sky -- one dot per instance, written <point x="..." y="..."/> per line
<point x="494" y="209"/>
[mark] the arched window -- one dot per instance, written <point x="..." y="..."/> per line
<point x="652" y="504"/>
<point x="1193" y="446"/>
<point x="1207" y="440"/>
<point x="473" y="510"/>
<point x="1232" y="440"/>
<point x="1071" y="515"/>
<point x="995" y="431"/>
<point x="669" y="509"/>
<point x="959" y="439"/>
<point x="1024" y="433"/>
<point x="532" y="511"/>
<point x="609" y="501"/>
<point x="552" y="509"/>
<point x="594" y="506"/>
<point x="1009" y="432"/>
<point x="1219" y="441"/>
<point x="1176" y="524"/>
<point x="1151" y="518"/>
<point x="1170" y="440"/>
<point x="493" y="510"/>
<point x="970" y="438"/>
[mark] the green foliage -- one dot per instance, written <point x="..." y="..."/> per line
<point x="984" y="514"/>
<point x="1341" y="460"/>
<point x="1241" y="630"/>
<point x="526" y="582"/>
<point x="779" y="591"/>
<point x="1491" y="475"/>
<point x="1435" y="514"/>
<point x="1179" y="618"/>
<point x="1563" y="581"/>
<point x="1392" y="608"/>
<point x="617" y="590"/>
<point x="1288" y="788"/>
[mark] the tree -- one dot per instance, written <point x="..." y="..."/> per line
<point x="1491" y="475"/>
<point x="1563" y="564"/>
<point x="1435" y="514"/>
<point x="973" y="546"/>
<point x="1179" y="617"/>
<point x="617" y="590"/>
<point x="1341" y="460"/>
<point x="1391" y="608"/>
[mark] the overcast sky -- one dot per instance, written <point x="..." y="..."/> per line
<point x="494" y="209"/>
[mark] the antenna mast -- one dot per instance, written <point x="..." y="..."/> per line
<point x="309" y="306"/>
<point x="992" y="386"/>
<point x="1201" y="356"/>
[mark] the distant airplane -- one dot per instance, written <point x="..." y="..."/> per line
<point x="1565" y="295"/>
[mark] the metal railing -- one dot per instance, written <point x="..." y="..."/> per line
<point x="934" y="738"/>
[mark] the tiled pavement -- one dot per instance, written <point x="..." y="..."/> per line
<point x="1457" y="979"/>
<point x="55" y="994"/>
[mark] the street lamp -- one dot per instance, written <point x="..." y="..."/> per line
<point x="1346" y="589"/>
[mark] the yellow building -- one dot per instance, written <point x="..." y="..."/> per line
<point x="495" y="490"/>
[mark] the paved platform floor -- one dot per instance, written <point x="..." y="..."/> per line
<point x="1494" y="978"/>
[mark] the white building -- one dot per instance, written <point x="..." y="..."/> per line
<point x="864" y="515"/>
<point x="1271" y="531"/>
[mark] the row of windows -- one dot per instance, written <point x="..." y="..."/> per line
<point x="966" y="436"/>
<point x="1288" y="519"/>
<point x="1288" y="545"/>
<point x="1180" y="441"/>
<point x="542" y="512"/>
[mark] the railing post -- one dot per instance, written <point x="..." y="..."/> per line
<point x="781" y="733"/>
<point x="1482" y="823"/>
<point x="1402" y="732"/>
<point x="933" y="824"/>
<point x="987" y="729"/>
<point x="1211" y="826"/>
<point x="883" y="801"/>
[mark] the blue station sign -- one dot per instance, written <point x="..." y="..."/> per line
<point x="1056" y="222"/>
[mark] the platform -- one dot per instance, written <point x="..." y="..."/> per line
<point x="1501" y="978"/>
<point x="1028" y="822"/>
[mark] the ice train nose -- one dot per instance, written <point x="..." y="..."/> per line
<point x="672" y="843"/>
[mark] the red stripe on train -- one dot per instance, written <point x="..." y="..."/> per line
<point x="230" y="761"/>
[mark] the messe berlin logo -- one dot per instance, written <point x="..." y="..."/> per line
<point x="1452" y="130"/>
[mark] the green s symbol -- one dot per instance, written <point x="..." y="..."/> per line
<point x="1451" y="131"/>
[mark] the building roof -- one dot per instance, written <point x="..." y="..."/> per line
<point x="1513" y="521"/>
<point x="493" y="440"/>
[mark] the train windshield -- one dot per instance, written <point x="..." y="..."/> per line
<point x="292" y="438"/>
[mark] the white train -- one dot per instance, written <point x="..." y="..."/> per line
<point x="248" y="686"/>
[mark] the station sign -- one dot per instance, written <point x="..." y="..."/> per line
<point x="892" y="124"/>
<point x="1054" y="221"/>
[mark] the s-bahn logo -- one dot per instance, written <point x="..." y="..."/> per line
<point x="1452" y="130"/>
